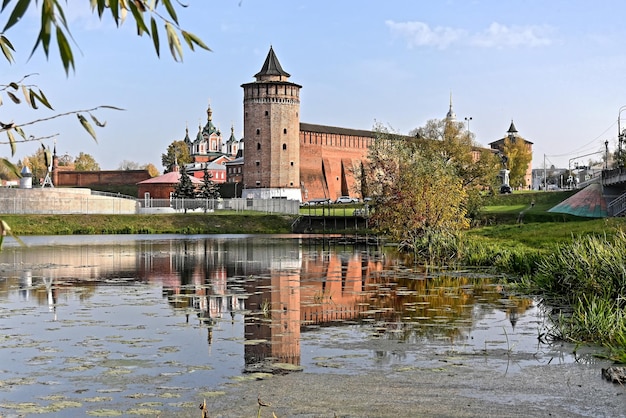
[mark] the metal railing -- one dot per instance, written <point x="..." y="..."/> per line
<point x="111" y="203"/>
<point x="616" y="206"/>
<point x="291" y="207"/>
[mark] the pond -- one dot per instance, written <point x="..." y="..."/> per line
<point x="142" y="324"/>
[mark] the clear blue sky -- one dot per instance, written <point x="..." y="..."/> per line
<point x="557" y="68"/>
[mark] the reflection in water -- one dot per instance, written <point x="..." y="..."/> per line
<point x="256" y="296"/>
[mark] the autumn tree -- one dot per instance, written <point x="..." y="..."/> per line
<point x="177" y="153"/>
<point x="133" y="165"/>
<point x="476" y="166"/>
<point x="152" y="170"/>
<point x="419" y="195"/>
<point x="86" y="162"/>
<point x="37" y="164"/>
<point x="518" y="157"/>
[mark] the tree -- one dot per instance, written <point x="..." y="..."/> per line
<point x="129" y="165"/>
<point x="147" y="14"/>
<point x="152" y="170"/>
<point x="37" y="164"/>
<point x="185" y="189"/>
<point x="518" y="157"/>
<point x="177" y="153"/>
<point x="419" y="195"/>
<point x="476" y="166"/>
<point x="85" y="162"/>
<point x="133" y="165"/>
<point x="208" y="190"/>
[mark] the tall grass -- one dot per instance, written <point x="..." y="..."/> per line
<point x="589" y="265"/>
<point x="595" y="320"/>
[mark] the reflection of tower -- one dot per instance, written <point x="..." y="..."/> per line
<point x="276" y="304"/>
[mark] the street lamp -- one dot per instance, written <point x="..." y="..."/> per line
<point x="606" y="157"/>
<point x="620" y="135"/>
<point x="467" y="119"/>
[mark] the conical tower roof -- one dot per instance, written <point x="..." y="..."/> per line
<point x="512" y="129"/>
<point x="271" y="67"/>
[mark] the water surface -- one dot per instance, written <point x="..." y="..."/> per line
<point x="107" y="325"/>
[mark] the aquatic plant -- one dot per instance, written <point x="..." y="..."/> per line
<point x="595" y="319"/>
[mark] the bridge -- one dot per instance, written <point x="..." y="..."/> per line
<point x="614" y="190"/>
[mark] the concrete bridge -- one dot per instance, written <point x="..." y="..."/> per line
<point x="614" y="191"/>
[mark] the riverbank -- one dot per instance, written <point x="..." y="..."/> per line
<point x="179" y="223"/>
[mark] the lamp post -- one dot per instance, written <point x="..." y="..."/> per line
<point x="620" y="135"/>
<point x="606" y="154"/>
<point x="467" y="119"/>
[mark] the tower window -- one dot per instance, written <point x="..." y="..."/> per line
<point x="267" y="113"/>
<point x="258" y="145"/>
<point x="292" y="163"/>
<point x="284" y="147"/>
<point x="258" y="163"/>
<point x="258" y="132"/>
<point x="258" y="183"/>
<point x="285" y="131"/>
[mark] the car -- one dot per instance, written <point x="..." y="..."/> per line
<point x="315" y="202"/>
<point x="346" y="199"/>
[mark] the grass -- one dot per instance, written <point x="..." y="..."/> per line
<point x="196" y="223"/>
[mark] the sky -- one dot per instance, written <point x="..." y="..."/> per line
<point x="556" y="68"/>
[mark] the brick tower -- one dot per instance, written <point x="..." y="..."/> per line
<point x="271" y="124"/>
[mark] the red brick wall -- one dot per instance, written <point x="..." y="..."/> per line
<point x="328" y="157"/>
<point x="93" y="178"/>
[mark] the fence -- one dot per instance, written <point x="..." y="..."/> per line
<point x="60" y="201"/>
<point x="81" y="201"/>
<point x="291" y="207"/>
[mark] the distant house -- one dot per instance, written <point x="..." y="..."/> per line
<point x="162" y="187"/>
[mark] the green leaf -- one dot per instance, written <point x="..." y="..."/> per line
<point x="172" y="39"/>
<point x="7" y="48"/>
<point x="190" y="37"/>
<point x="13" y="97"/>
<point x="32" y="99"/>
<point x="20" y="131"/>
<point x="170" y="10"/>
<point x="11" y="167"/>
<point x="16" y="14"/>
<point x="97" y="122"/>
<point x="45" y="32"/>
<point x="87" y="126"/>
<point x="42" y="99"/>
<point x="11" y="142"/>
<point x="141" y="25"/>
<point x="115" y="11"/>
<point x="4" y="4"/>
<point x="155" y="36"/>
<point x="64" y="50"/>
